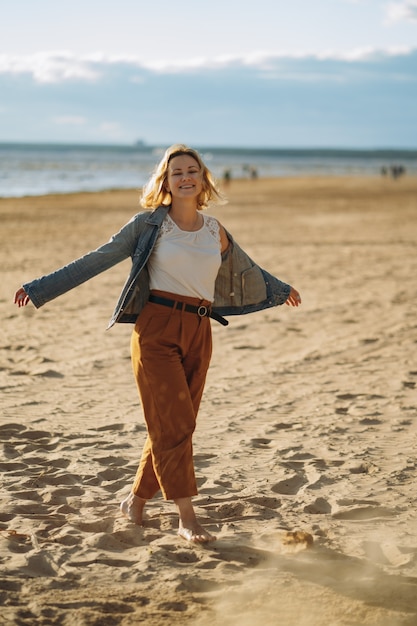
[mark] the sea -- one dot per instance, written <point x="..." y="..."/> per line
<point x="39" y="169"/>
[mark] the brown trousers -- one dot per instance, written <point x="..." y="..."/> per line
<point x="171" y="351"/>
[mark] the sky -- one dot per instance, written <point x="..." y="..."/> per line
<point x="299" y="73"/>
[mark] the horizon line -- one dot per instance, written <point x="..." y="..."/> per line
<point x="142" y="145"/>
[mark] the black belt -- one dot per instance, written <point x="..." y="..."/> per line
<point x="201" y="311"/>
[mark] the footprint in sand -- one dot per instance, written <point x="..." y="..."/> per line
<point x="203" y="460"/>
<point x="112" y="473"/>
<point x="342" y="410"/>
<point x="173" y="606"/>
<point x="131" y="537"/>
<point x="361" y="467"/>
<point x="95" y="526"/>
<point x="282" y="425"/>
<point x="228" y="510"/>
<point x="347" y="396"/>
<point x="387" y="553"/>
<point x="181" y="556"/>
<point x="48" y="373"/>
<point x="40" y="565"/>
<point x="364" y="512"/>
<point x="12" y="467"/>
<point x="290" y="486"/>
<point x="62" y="495"/>
<point x="34" y="511"/>
<point x="11" y="430"/>
<point x="320" y="506"/>
<point x="370" y="421"/>
<point x="260" y="442"/>
<point x="110" y="460"/>
<point x="265" y="501"/>
<point x="110" y="427"/>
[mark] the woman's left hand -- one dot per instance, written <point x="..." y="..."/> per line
<point x="294" y="299"/>
<point x="21" y="298"/>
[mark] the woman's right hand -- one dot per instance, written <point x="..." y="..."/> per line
<point x="294" y="299"/>
<point x="21" y="298"/>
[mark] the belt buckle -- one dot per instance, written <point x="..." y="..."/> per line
<point x="202" y="311"/>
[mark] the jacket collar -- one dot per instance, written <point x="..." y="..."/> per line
<point x="158" y="215"/>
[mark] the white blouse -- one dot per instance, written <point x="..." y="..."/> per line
<point x="186" y="262"/>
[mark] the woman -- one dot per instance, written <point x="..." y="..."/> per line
<point x="185" y="269"/>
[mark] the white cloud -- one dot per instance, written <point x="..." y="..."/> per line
<point x="269" y="61"/>
<point x="397" y="11"/>
<point x="49" y="67"/>
<point x="366" y="53"/>
<point x="59" y="67"/>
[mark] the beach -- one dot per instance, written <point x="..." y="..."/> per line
<point x="305" y="449"/>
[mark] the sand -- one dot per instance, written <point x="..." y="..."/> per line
<point x="308" y="423"/>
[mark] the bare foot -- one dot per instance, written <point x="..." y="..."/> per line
<point x="189" y="528"/>
<point x="197" y="534"/>
<point x="132" y="508"/>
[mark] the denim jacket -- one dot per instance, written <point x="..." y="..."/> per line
<point x="241" y="286"/>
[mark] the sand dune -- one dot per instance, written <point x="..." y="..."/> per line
<point x="308" y="424"/>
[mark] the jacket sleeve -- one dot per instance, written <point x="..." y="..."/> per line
<point x="242" y="286"/>
<point x="118" y="248"/>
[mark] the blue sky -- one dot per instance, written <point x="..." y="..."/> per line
<point x="301" y="73"/>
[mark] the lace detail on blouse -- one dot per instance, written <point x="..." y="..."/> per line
<point x="212" y="225"/>
<point x="167" y="226"/>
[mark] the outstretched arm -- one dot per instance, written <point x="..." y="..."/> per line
<point x="294" y="299"/>
<point x="21" y="298"/>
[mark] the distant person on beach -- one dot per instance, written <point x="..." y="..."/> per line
<point x="397" y="171"/>
<point x="227" y="176"/>
<point x="250" y="171"/>
<point x="186" y="269"/>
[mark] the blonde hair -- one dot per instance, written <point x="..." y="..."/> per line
<point x="155" y="193"/>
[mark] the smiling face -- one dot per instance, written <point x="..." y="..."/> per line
<point x="184" y="177"/>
